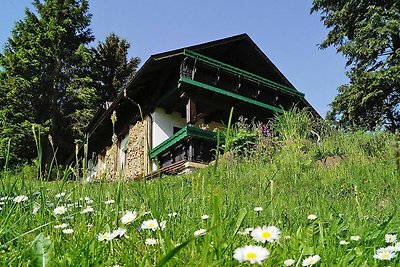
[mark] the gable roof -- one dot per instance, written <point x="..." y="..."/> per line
<point x="238" y="51"/>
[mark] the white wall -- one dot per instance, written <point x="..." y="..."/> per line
<point x="91" y="168"/>
<point x="122" y="151"/>
<point x="163" y="125"/>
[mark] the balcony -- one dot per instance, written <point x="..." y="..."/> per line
<point x="190" y="144"/>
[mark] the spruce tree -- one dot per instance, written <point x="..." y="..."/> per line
<point x="45" y="79"/>
<point x="112" y="68"/>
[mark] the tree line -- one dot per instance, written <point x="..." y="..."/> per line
<point x="53" y="80"/>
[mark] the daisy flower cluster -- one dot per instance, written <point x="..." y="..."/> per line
<point x="107" y="236"/>
<point x="257" y="254"/>
<point x="389" y="252"/>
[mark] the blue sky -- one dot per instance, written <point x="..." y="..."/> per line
<point x="283" y="29"/>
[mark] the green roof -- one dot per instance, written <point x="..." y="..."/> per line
<point x="184" y="133"/>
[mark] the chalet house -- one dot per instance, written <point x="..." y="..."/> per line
<point x="161" y="114"/>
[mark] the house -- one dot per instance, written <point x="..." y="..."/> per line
<point x="160" y="116"/>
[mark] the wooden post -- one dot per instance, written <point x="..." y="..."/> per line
<point x="191" y="115"/>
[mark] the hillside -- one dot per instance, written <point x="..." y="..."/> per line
<point x="349" y="181"/>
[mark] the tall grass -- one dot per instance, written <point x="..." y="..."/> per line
<point x="356" y="195"/>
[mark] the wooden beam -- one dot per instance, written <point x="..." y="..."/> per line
<point x="191" y="114"/>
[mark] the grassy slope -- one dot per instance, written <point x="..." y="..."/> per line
<point x="355" y="196"/>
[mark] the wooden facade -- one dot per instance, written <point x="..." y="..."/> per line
<point x="191" y="85"/>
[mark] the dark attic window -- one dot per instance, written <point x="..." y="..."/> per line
<point x="176" y="129"/>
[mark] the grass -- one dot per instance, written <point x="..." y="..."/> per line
<point x="355" y="196"/>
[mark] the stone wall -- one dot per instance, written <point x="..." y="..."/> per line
<point x="111" y="161"/>
<point x="136" y="161"/>
<point x="136" y="154"/>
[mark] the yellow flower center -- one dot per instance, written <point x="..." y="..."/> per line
<point x="266" y="235"/>
<point x="251" y="255"/>
<point x="385" y="255"/>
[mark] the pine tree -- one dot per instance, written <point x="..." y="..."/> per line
<point x="113" y="69"/>
<point x="46" y="79"/>
<point x="367" y="32"/>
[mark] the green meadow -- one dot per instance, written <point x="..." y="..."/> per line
<point x="348" y="182"/>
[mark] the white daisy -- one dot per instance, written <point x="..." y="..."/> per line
<point x="68" y="231"/>
<point x="150" y="224"/>
<point x="173" y="214"/>
<point x="129" y="217"/>
<point x="258" y="209"/>
<point x="289" y="262"/>
<point x="204" y="217"/>
<point x="87" y="210"/>
<point x="151" y="241"/>
<point x="390" y="238"/>
<point x="36" y="208"/>
<point x="343" y="242"/>
<point x="266" y="233"/>
<point x="105" y="236"/>
<point x="21" y="198"/>
<point x="246" y="231"/>
<point x="118" y="233"/>
<point x="163" y="224"/>
<point x="355" y="237"/>
<point x="61" y="226"/>
<point x="385" y="254"/>
<point x="109" y="202"/>
<point x="60" y="210"/>
<point x="312" y="217"/>
<point x="310" y="261"/>
<point x="60" y="195"/>
<point x="200" y="232"/>
<point x="252" y="254"/>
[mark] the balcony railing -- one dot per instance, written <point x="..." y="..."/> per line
<point x="189" y="144"/>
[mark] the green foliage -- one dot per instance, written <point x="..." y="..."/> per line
<point x="45" y="78"/>
<point x="112" y="68"/>
<point x="356" y="196"/>
<point x="242" y="137"/>
<point x="49" y="77"/>
<point x="40" y="250"/>
<point x="293" y="125"/>
<point x="367" y="34"/>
